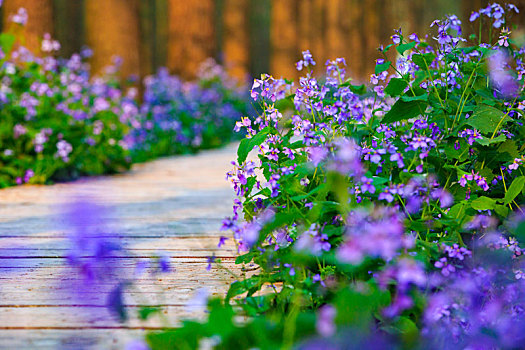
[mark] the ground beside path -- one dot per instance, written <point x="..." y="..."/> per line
<point x="172" y="206"/>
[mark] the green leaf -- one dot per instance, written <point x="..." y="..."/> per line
<point x="396" y="86"/>
<point x="501" y="210"/>
<point x="6" y="42"/>
<point x="457" y="210"/>
<point x="423" y="60"/>
<point x="382" y="67"/>
<point x="485" y="141"/>
<point x="244" y="259"/>
<point x="509" y="150"/>
<point x="483" y="203"/>
<point x="402" y="110"/>
<point x="407" y="328"/>
<point x="486" y="118"/>
<point x="247" y="145"/>
<point x="304" y="196"/>
<point x="403" y="47"/>
<point x="514" y="189"/>
<point x="358" y="89"/>
<point x="236" y="288"/>
<point x="387" y="48"/>
<point x="407" y="98"/>
<point x="147" y="311"/>
<point x="376" y="180"/>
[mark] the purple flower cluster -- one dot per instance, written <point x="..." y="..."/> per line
<point x="494" y="12"/>
<point x="194" y="114"/>
<point x="480" y="180"/>
<point x="454" y="255"/>
<point x="380" y="234"/>
<point x="64" y="119"/>
<point x="480" y="306"/>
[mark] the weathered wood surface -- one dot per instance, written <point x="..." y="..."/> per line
<point x="172" y="206"/>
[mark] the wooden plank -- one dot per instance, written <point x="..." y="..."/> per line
<point x="69" y="339"/>
<point x="171" y="246"/>
<point x="64" y="287"/>
<point x="172" y="206"/>
<point x="71" y="317"/>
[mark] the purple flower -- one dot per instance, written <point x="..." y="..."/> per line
<point x="313" y="240"/>
<point x="291" y="271"/>
<point x="137" y="345"/>
<point x="210" y="260"/>
<point x="63" y="150"/>
<point x="444" y="197"/>
<point x="115" y="302"/>
<point x="20" y="17"/>
<point x="222" y="240"/>
<point x="317" y="154"/>
<point x="19" y="130"/>
<point x="28" y="175"/>
<point x="367" y="186"/>
<point x="306" y="61"/>
<point x="325" y="321"/>
<point x="445" y="266"/>
<point x="470" y="135"/>
<point x="379" y="235"/>
<point x="199" y="301"/>
<point x="501" y="79"/>
<point x="164" y="263"/>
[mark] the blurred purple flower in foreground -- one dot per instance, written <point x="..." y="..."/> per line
<point x="501" y="79"/>
<point x="96" y="255"/>
<point x="90" y="244"/>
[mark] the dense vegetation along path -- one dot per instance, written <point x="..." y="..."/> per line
<point x="172" y="206"/>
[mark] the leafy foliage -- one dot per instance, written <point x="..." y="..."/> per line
<point x="59" y="123"/>
<point x="383" y="221"/>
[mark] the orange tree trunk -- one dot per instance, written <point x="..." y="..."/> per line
<point x="112" y="28"/>
<point x="283" y="34"/>
<point x="191" y="35"/>
<point x="236" y="38"/>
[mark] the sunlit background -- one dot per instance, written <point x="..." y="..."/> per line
<point x="248" y="36"/>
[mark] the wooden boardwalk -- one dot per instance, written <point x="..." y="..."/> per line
<point x="172" y="206"/>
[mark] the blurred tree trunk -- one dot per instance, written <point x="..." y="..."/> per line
<point x="161" y="21"/>
<point x="371" y="37"/>
<point x="259" y="48"/>
<point x="112" y="28"/>
<point x="351" y="24"/>
<point x="191" y="35"/>
<point x="236" y="45"/>
<point x="283" y="34"/>
<point x="335" y="43"/>
<point x="147" y="32"/>
<point x="69" y="25"/>
<point x="319" y="44"/>
<point x="40" y="20"/>
<point x="305" y="28"/>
